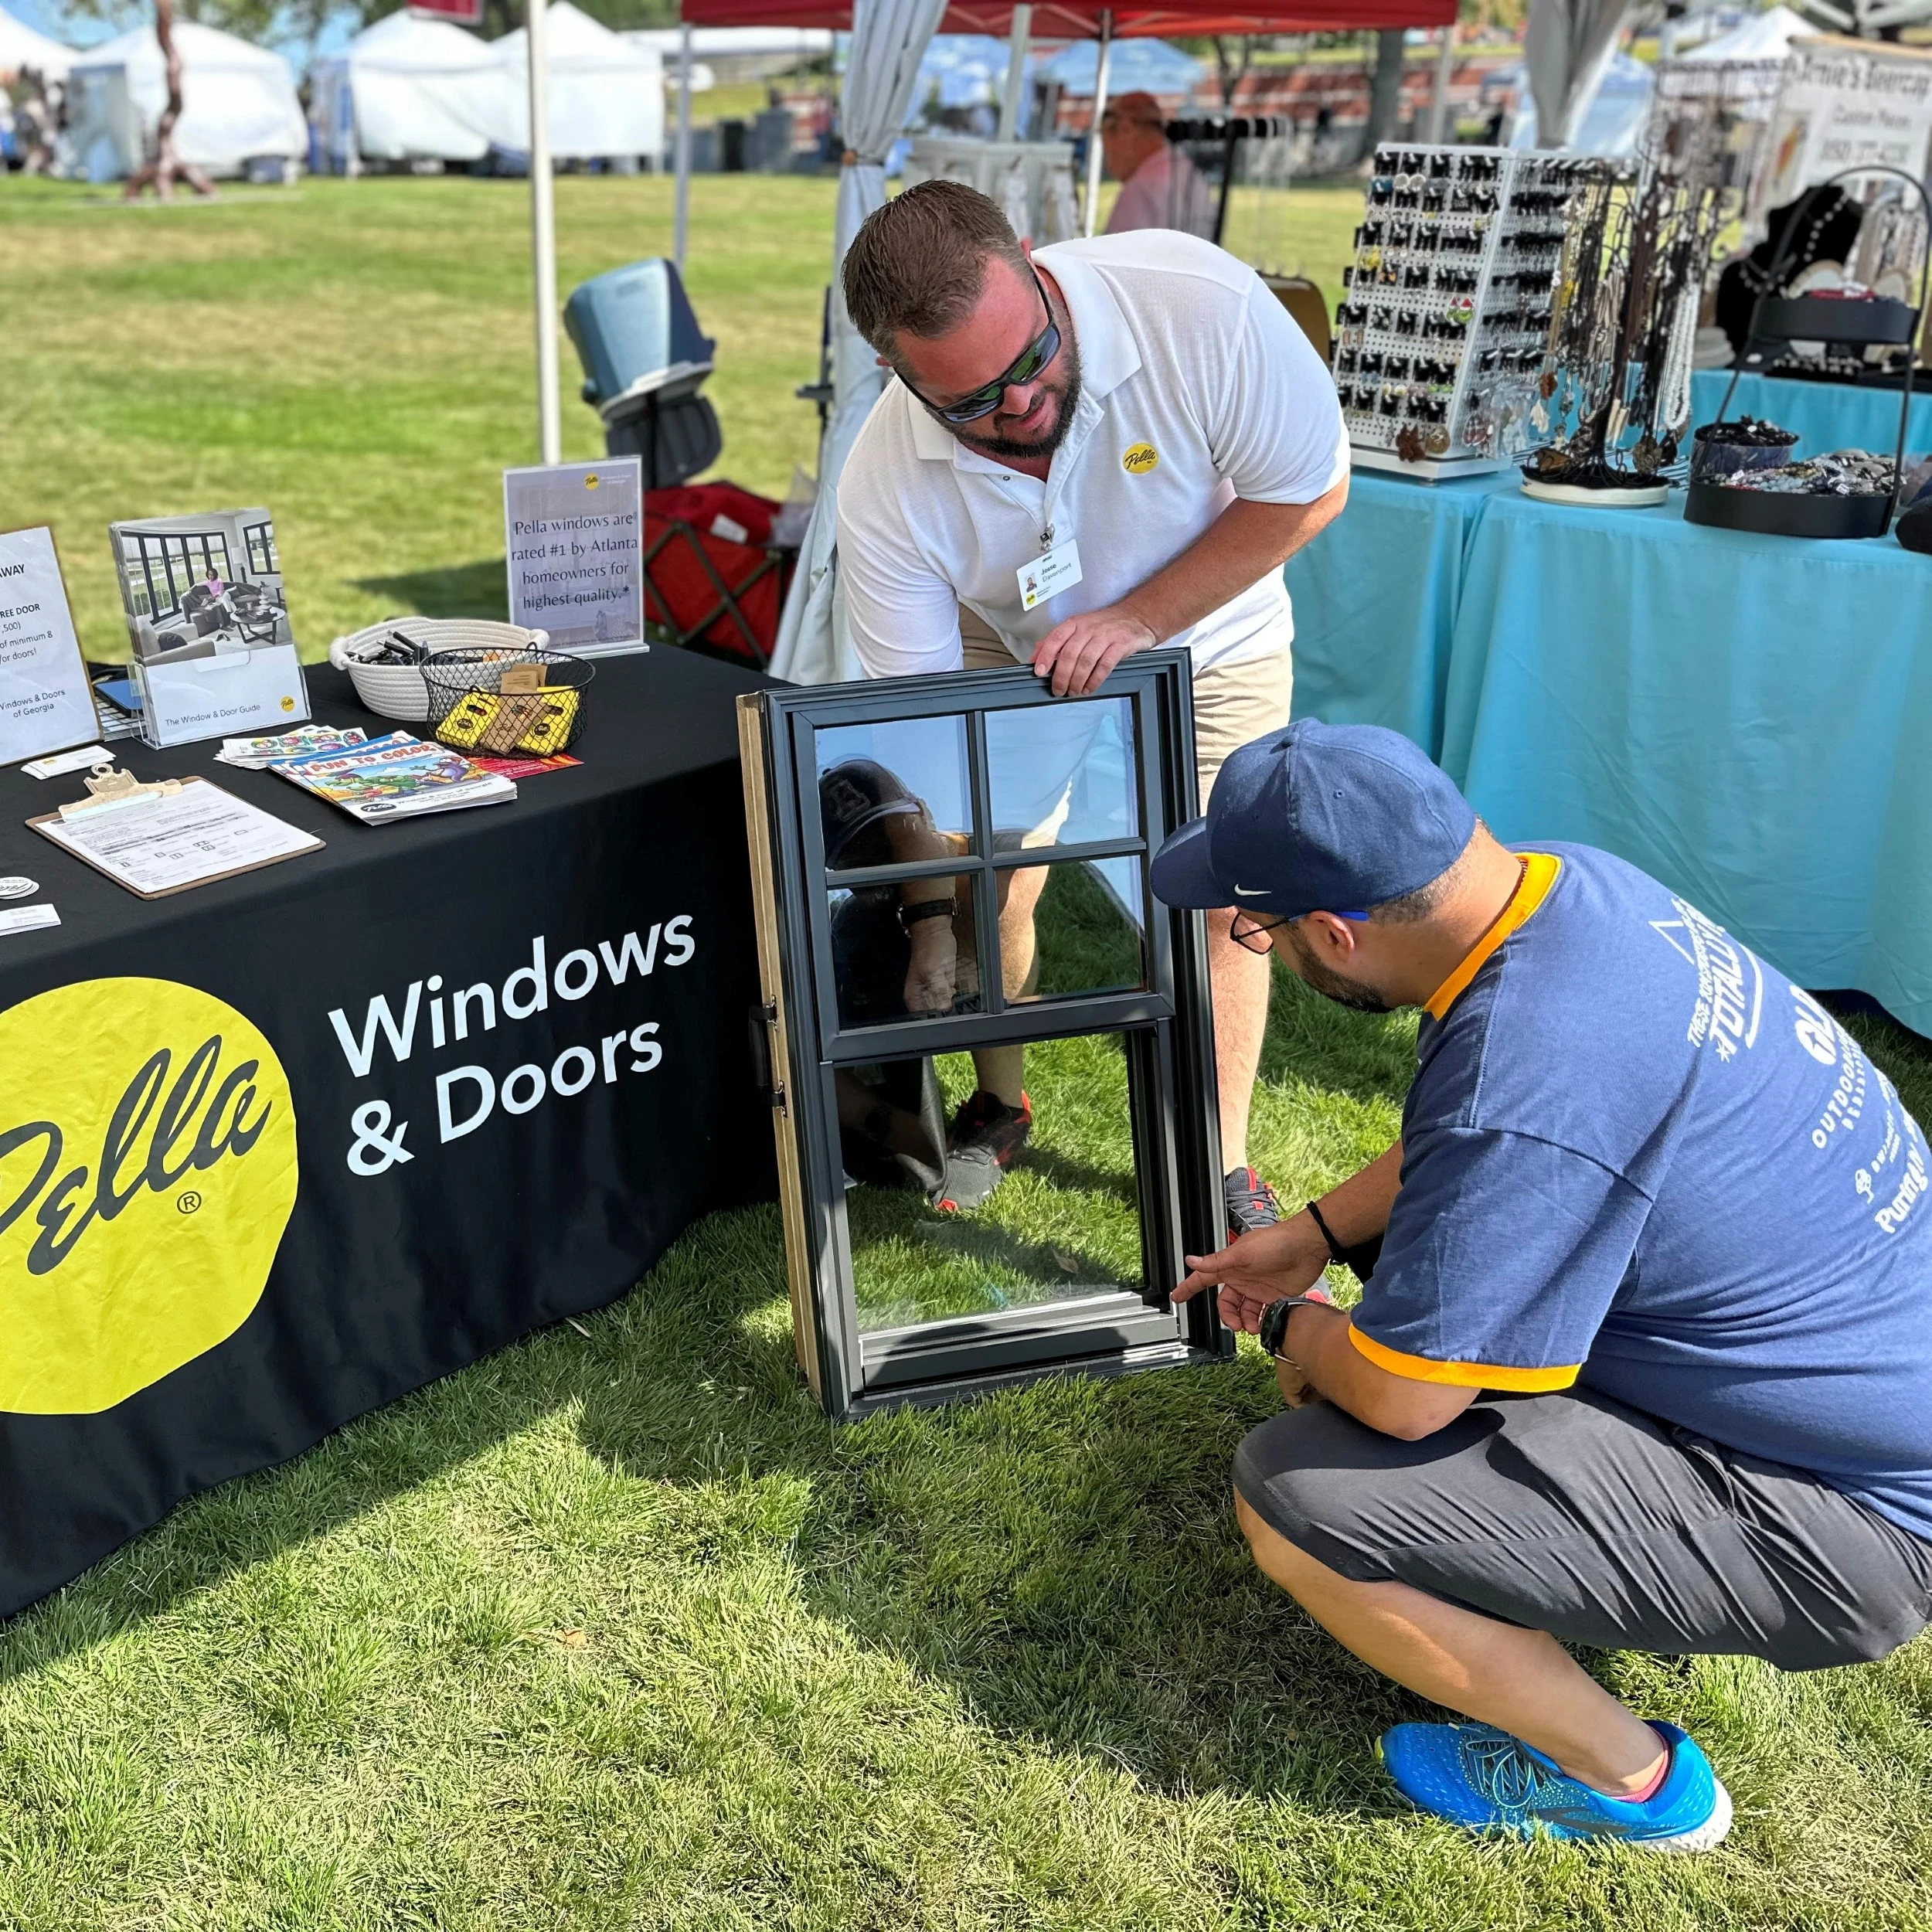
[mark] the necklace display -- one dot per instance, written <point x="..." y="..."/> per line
<point x="1446" y="305"/>
<point x="1616" y="381"/>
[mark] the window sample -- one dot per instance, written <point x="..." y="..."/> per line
<point x="894" y="792"/>
<point x="921" y="966"/>
<point x="1072" y="928"/>
<point x="1064" y="1226"/>
<point x="1062" y="774"/>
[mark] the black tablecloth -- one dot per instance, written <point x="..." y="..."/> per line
<point x="619" y="887"/>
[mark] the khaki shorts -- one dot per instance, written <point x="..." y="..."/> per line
<point x="1233" y="703"/>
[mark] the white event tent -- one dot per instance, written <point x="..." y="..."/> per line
<point x="238" y="102"/>
<point x="409" y="88"/>
<point x="414" y="89"/>
<point x="606" y="95"/>
<point x="21" y="47"/>
<point x="1762" y="36"/>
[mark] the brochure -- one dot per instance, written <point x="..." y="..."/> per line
<point x="257" y="754"/>
<point x="398" y="776"/>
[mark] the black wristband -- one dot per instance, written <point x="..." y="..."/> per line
<point x="1336" y="1253"/>
<point x="1274" y="1325"/>
<point x="1360" y="1261"/>
<point x="909" y="916"/>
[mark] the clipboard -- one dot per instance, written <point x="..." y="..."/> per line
<point x="51" y="826"/>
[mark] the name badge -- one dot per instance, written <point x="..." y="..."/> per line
<point x="1053" y="571"/>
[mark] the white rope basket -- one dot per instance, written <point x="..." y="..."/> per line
<point x="397" y="690"/>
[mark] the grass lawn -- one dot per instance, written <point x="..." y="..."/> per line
<point x="613" y="1629"/>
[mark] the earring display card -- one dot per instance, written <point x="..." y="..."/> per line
<point x="991" y="1062"/>
<point x="1440" y="338"/>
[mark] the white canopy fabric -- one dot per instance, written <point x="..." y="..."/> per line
<point x="1567" y="46"/>
<point x="238" y="101"/>
<point x="889" y="38"/>
<point x="1610" y="122"/>
<point x="607" y="94"/>
<point x="1764" y="36"/>
<point x="410" y="89"/>
<point x="20" y="46"/>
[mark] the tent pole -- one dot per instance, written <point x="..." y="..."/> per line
<point x="1094" y="128"/>
<point x="681" y="188"/>
<point x="1439" y="99"/>
<point x="1016" y="72"/>
<point x="543" y="239"/>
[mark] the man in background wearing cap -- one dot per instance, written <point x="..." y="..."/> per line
<point x="1160" y="188"/>
<point x="1112" y="447"/>
<point x="1642" y="1352"/>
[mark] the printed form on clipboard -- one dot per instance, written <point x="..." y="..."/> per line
<point x="156" y="842"/>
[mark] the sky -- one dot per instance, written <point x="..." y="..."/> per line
<point x="50" y="17"/>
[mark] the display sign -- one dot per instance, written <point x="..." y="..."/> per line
<point x="208" y="621"/>
<point x="1845" y="103"/>
<point x="574" y="536"/>
<point x="45" y="703"/>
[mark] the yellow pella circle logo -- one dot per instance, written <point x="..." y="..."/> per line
<point x="592" y="481"/>
<point x="1140" y="459"/>
<point x="146" y="1171"/>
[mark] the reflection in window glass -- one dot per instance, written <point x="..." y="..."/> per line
<point x="1062" y="774"/>
<point x="1063" y="1224"/>
<point x="1072" y="929"/>
<point x="893" y="792"/>
<point x="894" y="958"/>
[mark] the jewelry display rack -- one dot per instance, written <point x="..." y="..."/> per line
<point x="1441" y="334"/>
<point x="1778" y="320"/>
<point x="1616" y="384"/>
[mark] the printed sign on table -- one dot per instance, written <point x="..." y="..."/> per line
<point x="574" y="536"/>
<point x="45" y="702"/>
<point x="208" y="620"/>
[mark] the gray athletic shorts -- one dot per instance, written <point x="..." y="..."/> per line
<point x="1572" y="1514"/>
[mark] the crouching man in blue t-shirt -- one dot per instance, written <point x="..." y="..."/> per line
<point x="1643" y="1352"/>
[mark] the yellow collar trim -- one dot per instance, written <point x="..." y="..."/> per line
<point x="1540" y="871"/>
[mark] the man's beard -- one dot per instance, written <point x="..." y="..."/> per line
<point x="1070" y="401"/>
<point x="1331" y="985"/>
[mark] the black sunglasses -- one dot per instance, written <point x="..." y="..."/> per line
<point x="983" y="401"/>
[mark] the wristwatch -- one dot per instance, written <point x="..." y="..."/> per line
<point x="1275" y="1320"/>
<point x="909" y="916"/>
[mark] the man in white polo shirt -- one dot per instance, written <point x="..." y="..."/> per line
<point x="1115" y="446"/>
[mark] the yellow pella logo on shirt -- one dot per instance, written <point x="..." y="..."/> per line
<point x="148" y="1169"/>
<point x="1140" y="459"/>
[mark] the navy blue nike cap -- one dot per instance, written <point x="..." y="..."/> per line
<point x="1318" y="817"/>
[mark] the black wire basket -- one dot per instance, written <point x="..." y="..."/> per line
<point x="470" y="712"/>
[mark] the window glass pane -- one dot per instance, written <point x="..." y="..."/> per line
<point x="892" y="792"/>
<point x="1071" y="929"/>
<point x="1062" y="1224"/>
<point x="1062" y="774"/>
<point x="887" y="968"/>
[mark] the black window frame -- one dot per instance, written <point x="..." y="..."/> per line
<point x="1165" y="1025"/>
<point x="170" y="550"/>
<point x="260" y="538"/>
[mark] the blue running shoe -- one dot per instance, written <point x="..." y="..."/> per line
<point x="1487" y="1781"/>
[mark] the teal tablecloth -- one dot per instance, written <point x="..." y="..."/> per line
<point x="1375" y="602"/>
<point x="1746" y="718"/>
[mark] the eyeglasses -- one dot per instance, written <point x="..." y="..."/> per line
<point x="1244" y="929"/>
<point x="983" y="401"/>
